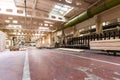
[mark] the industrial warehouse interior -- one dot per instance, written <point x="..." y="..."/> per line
<point x="59" y="39"/>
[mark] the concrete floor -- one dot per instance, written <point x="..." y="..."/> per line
<point x="11" y="65"/>
<point x="57" y="64"/>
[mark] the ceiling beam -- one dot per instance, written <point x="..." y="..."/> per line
<point x="37" y="30"/>
<point x="34" y="4"/>
<point x="33" y="12"/>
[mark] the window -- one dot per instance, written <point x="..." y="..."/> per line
<point x="61" y="9"/>
<point x="68" y="1"/>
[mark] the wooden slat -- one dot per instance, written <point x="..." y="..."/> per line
<point x="105" y="44"/>
<point x="113" y="44"/>
<point x="106" y="48"/>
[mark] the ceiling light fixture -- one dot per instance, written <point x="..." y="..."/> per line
<point x="7" y="21"/>
<point x="51" y="25"/>
<point x="77" y="3"/>
<point x="15" y="21"/>
<point x="10" y="17"/>
<point x="48" y="22"/>
<point x="45" y="24"/>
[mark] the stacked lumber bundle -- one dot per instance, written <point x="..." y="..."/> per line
<point x="2" y="41"/>
<point x="113" y="44"/>
<point x="14" y="48"/>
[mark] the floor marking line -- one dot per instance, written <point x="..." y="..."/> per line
<point x="26" y="70"/>
<point x="78" y="50"/>
<point x="117" y="64"/>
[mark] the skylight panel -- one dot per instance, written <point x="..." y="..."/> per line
<point x="61" y="9"/>
<point x="64" y="8"/>
<point x="68" y="1"/>
<point x="61" y="12"/>
<point x="58" y="7"/>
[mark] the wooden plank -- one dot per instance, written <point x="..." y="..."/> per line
<point x="106" y="48"/>
<point x="113" y="44"/>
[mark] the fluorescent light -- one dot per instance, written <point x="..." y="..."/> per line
<point x="45" y="24"/>
<point x="103" y="23"/>
<point x="51" y="25"/>
<point x="78" y="3"/>
<point x="48" y="22"/>
<point x="10" y="17"/>
<point x="93" y="26"/>
<point x="7" y="21"/>
<point x="15" y="21"/>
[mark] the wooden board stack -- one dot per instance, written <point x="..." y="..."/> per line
<point x="113" y="44"/>
<point x="2" y="41"/>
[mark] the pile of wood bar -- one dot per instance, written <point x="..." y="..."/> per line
<point x="14" y="48"/>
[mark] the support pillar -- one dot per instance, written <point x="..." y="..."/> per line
<point x="99" y="28"/>
<point x="75" y="32"/>
<point x="51" y="39"/>
<point x="64" y="40"/>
